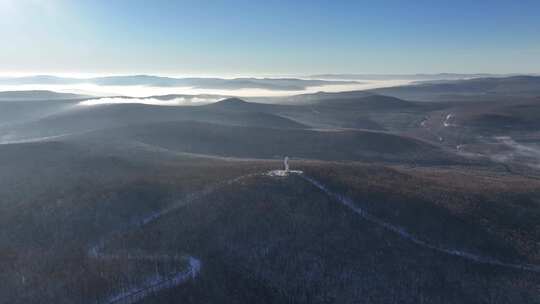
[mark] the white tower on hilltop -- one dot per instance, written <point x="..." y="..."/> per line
<point x="286" y="163"/>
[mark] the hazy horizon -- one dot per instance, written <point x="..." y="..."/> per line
<point x="258" y="87"/>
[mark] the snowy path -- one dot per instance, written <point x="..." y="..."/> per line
<point x="192" y="197"/>
<point x="155" y="283"/>
<point x="34" y="139"/>
<point x="403" y="233"/>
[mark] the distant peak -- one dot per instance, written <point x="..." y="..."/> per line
<point x="232" y="101"/>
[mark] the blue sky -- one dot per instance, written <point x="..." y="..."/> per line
<point x="240" y="37"/>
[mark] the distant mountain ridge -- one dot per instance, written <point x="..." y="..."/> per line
<point x="38" y="95"/>
<point x="418" y="77"/>
<point x="492" y="87"/>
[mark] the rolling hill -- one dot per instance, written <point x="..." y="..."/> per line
<point x="471" y="89"/>
<point x="389" y="201"/>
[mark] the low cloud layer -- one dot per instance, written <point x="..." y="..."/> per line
<point x="252" y="88"/>
<point x="525" y="154"/>
<point x="178" y="101"/>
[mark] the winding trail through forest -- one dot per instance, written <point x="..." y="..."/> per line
<point x="154" y="284"/>
<point x="403" y="233"/>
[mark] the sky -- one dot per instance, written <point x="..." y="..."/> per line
<point x="251" y="38"/>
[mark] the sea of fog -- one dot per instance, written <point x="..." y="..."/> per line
<point x="145" y="91"/>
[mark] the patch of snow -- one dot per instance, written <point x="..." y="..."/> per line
<point x="446" y="121"/>
<point x="283" y="173"/>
